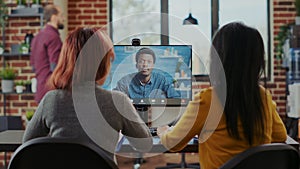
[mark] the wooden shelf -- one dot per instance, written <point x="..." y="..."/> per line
<point x="183" y="78"/>
<point x="14" y="54"/>
<point x="24" y="15"/>
<point x="16" y="93"/>
<point x="183" y="89"/>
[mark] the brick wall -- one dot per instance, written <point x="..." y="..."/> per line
<point x="87" y="13"/>
<point x="94" y="12"/>
<point x="283" y="13"/>
<point x="15" y="31"/>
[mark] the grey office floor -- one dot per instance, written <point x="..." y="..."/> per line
<point x="157" y="160"/>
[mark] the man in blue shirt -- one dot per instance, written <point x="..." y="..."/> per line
<point x="147" y="82"/>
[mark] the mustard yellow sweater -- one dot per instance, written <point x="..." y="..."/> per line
<point x="219" y="147"/>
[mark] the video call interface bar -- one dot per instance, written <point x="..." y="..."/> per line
<point x="160" y="102"/>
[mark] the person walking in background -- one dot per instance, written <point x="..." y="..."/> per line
<point x="45" y="48"/>
<point x="249" y="118"/>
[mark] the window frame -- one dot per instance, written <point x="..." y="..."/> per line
<point x="214" y="27"/>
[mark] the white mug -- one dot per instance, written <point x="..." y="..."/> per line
<point x="33" y="85"/>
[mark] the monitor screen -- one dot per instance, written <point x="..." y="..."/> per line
<point x="155" y="75"/>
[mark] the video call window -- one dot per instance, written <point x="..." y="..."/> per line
<point x="170" y="73"/>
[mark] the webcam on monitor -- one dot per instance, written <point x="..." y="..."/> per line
<point x="136" y="42"/>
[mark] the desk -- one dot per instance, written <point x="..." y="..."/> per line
<point x="192" y="146"/>
<point x="124" y="147"/>
<point x="10" y="140"/>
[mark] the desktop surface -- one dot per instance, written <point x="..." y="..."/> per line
<point x="124" y="146"/>
<point x="10" y="140"/>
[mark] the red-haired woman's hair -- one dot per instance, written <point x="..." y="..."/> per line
<point x="86" y="56"/>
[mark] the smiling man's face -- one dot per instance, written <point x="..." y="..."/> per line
<point x="145" y="64"/>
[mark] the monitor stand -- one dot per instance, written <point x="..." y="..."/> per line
<point x="143" y="111"/>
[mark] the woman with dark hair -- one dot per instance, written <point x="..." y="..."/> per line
<point x="77" y="107"/>
<point x="248" y="116"/>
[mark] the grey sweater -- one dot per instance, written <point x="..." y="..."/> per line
<point x="56" y="117"/>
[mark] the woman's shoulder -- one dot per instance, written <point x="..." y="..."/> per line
<point x="52" y="94"/>
<point x="113" y="100"/>
<point x="127" y="78"/>
<point x="57" y="93"/>
<point x="203" y="93"/>
<point x="105" y="92"/>
<point x="57" y="96"/>
<point x="111" y="95"/>
<point x="264" y="91"/>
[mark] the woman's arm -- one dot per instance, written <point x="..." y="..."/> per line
<point x="36" y="127"/>
<point x="189" y="125"/>
<point x="135" y="129"/>
<point x="279" y="133"/>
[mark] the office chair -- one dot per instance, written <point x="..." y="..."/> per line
<point x="275" y="155"/>
<point x="57" y="153"/>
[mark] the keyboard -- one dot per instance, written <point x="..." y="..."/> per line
<point x="153" y="131"/>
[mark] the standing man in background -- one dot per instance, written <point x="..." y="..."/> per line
<point x="45" y="48"/>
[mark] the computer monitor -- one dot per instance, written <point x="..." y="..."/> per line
<point x="170" y="81"/>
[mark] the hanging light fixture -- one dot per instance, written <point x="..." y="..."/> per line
<point x="190" y="20"/>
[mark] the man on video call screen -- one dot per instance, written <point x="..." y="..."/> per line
<point x="146" y="83"/>
<point x="154" y="74"/>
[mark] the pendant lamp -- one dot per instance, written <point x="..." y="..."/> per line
<point x="190" y="20"/>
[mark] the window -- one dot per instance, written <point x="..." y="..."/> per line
<point x="198" y="36"/>
<point x="211" y="14"/>
<point x="254" y="13"/>
<point x="131" y="19"/>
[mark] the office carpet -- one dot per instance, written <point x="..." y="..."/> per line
<point x="157" y="160"/>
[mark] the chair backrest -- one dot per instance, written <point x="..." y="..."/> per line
<point x="272" y="156"/>
<point x="60" y="153"/>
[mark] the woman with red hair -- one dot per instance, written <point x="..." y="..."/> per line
<point x="77" y="107"/>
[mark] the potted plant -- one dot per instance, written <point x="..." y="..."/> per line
<point x="21" y="3"/>
<point x="29" y="113"/>
<point x="3" y="13"/>
<point x="19" y="86"/>
<point x="36" y="4"/>
<point x="7" y="83"/>
<point x="175" y="83"/>
<point x="24" y="48"/>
